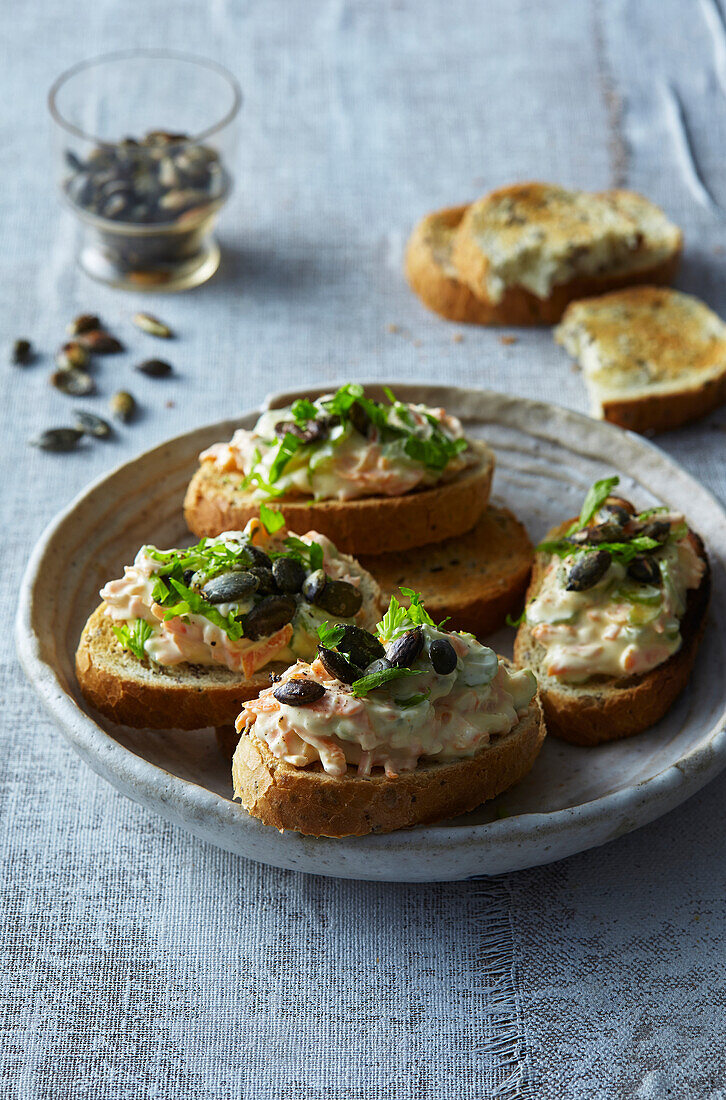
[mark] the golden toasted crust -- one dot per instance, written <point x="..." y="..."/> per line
<point x="215" y="503"/>
<point x="134" y="694"/>
<point x="311" y="802"/>
<point x="605" y="709"/>
<point x="474" y="580"/>
<point x="431" y="273"/>
<point x="519" y="306"/>
<point x="653" y="358"/>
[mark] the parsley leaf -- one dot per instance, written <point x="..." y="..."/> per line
<point x="309" y="553"/>
<point x="511" y="621"/>
<point x="272" y="519"/>
<point x="286" y="450"/>
<point x="192" y="603"/>
<point x="374" y="680"/>
<point x="395" y="619"/>
<point x="303" y="411"/>
<point x="134" y="637"/>
<point x="344" y="399"/>
<point x="417" y="613"/>
<point x="596" y="495"/>
<point x="413" y="700"/>
<point x="623" y="552"/>
<point x="331" y="635"/>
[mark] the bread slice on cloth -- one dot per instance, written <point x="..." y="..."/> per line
<point x="215" y="502"/>
<point x="529" y="249"/>
<point x="312" y="802"/>
<point x="652" y="358"/>
<point x="603" y="708"/>
<point x="473" y="580"/>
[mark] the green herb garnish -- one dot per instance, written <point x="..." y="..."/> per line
<point x="373" y="680"/>
<point x="192" y="603"/>
<point x="303" y="411"/>
<point x="331" y="634"/>
<point x="413" y="700"/>
<point x="511" y="621"/>
<point x="596" y="495"/>
<point x="310" y="554"/>
<point x="134" y="636"/>
<point x="286" y="450"/>
<point x="272" y="519"/>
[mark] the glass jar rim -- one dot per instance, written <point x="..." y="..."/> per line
<point x="124" y="55"/>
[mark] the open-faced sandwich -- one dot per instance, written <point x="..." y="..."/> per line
<point x="614" y="614"/>
<point x="373" y="476"/>
<point x="186" y="635"/>
<point x="383" y="730"/>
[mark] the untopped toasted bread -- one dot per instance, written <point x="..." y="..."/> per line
<point x="530" y="249"/>
<point x="474" y="580"/>
<point x="652" y="358"/>
<point x="215" y="502"/>
<point x="134" y="693"/>
<point x="312" y="802"/>
<point x="431" y="273"/>
<point x="603" y="708"/>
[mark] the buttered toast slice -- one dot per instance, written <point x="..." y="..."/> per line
<point x="474" y="580"/>
<point x="652" y="358"/>
<point x="530" y="249"/>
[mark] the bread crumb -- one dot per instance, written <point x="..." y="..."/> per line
<point x="169" y="404"/>
<point x="508" y="339"/>
<point x="458" y="338"/>
<point x="392" y="328"/>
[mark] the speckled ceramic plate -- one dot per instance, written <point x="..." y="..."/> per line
<point x="573" y="799"/>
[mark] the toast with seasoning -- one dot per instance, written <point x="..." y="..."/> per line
<point x="372" y="476"/>
<point x="526" y="251"/>
<point x="614" y="615"/>
<point x="384" y="731"/>
<point x="652" y="358"/>
<point x="186" y="636"/>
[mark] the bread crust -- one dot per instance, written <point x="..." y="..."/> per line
<point x="662" y="412"/>
<point x="606" y="709"/>
<point x="372" y="525"/>
<point x="519" y="306"/>
<point x="474" y="580"/>
<point x="427" y="277"/>
<point x="180" y="697"/>
<point x="311" y="802"/>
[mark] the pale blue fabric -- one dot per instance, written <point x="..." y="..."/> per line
<point x="138" y="962"/>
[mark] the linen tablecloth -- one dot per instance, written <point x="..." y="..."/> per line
<point x="140" y="962"/>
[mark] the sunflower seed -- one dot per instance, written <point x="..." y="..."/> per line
<point x="57" y="439"/>
<point x="90" y="424"/>
<point x="155" y="368"/>
<point x="123" y="406"/>
<point x="22" y="352"/>
<point x="73" y="381"/>
<point x="84" y="322"/>
<point x="152" y="325"/>
<point x="101" y="342"/>
<point x="72" y="355"/>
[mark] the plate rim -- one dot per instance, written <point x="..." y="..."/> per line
<point x="153" y="785"/>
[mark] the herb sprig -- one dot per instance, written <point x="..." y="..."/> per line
<point x="133" y="636"/>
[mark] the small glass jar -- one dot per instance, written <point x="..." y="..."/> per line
<point x="144" y="141"/>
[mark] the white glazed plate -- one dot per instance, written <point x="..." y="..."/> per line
<point x="573" y="799"/>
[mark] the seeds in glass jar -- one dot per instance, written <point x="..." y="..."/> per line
<point x="22" y="352"/>
<point x="152" y="325"/>
<point x="73" y="381"/>
<point x="90" y="424"/>
<point x="299" y="693"/>
<point x="123" y="406"/>
<point x="100" y="342"/>
<point x="154" y="368"/>
<point x="57" y="439"/>
<point x="72" y="355"/>
<point x="84" y="322"/>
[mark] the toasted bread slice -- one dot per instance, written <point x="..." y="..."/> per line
<point x="134" y="693"/>
<point x="312" y="802"/>
<point x="606" y="709"/>
<point x="474" y="580"/>
<point x="652" y="358"/>
<point x="215" y="502"/>
<point x="431" y="273"/>
<point x="530" y="249"/>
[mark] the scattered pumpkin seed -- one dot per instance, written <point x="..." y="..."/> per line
<point x="152" y="325"/>
<point x="155" y="368"/>
<point x="73" y="381"/>
<point x="99" y="341"/>
<point x="22" y="352"/>
<point x="90" y="424"/>
<point x="57" y="439"/>
<point x="72" y="355"/>
<point x="123" y="406"/>
<point x="84" y="322"/>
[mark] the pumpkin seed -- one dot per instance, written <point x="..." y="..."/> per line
<point x="361" y="646"/>
<point x="600" y="532"/>
<point x="154" y="368"/>
<point x="152" y="325"/>
<point x="315" y="585"/>
<point x="90" y="424"/>
<point x="57" y="439"/>
<point x="269" y="616"/>
<point x="73" y="381"/>
<point x="289" y="574"/>
<point x="259" y="557"/>
<point x="443" y="656"/>
<point x="340" y="598"/>
<point x="615" y="510"/>
<point x="22" y="352"/>
<point x="658" y="529"/>
<point x="230" y="587"/>
<point x="72" y="355"/>
<point x="405" y="649"/>
<point x="587" y="571"/>
<point x="338" y="666"/>
<point x="299" y="693"/>
<point x="381" y="665"/>
<point x="101" y="342"/>
<point x="84" y="322"/>
<point x="265" y="579"/>
<point x="123" y="405"/>
<point x="645" y="570"/>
